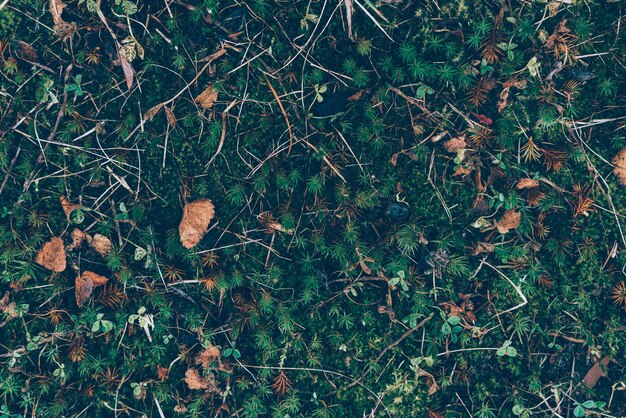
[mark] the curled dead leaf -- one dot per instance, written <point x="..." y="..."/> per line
<point x="510" y="220"/>
<point x="271" y="225"/>
<point x="195" y="222"/>
<point x="84" y="285"/>
<point x="68" y="207"/>
<point x="95" y="278"/>
<point x="455" y="144"/>
<point x="78" y="237"/>
<point x="52" y="255"/>
<point x="596" y="372"/>
<point x="129" y="73"/>
<point x="195" y="381"/>
<point x="527" y="184"/>
<point x="207" y="98"/>
<point x="208" y="355"/>
<point x="101" y="244"/>
<point x="619" y="167"/>
<point x="171" y="118"/>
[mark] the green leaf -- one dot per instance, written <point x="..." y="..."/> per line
<point x="579" y="411"/>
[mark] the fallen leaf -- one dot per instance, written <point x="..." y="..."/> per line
<point x="527" y="184"/>
<point x="56" y="9"/>
<point x="194" y="380"/>
<point x="433" y="387"/>
<point x="68" y="207"/>
<point x="619" y="169"/>
<point x="129" y="73"/>
<point x="271" y="225"/>
<point x="510" y="220"/>
<point x="195" y="222"/>
<point x="78" y="237"/>
<point x="483" y="247"/>
<point x="208" y="355"/>
<point x="62" y="29"/>
<point x="162" y="373"/>
<point x="101" y="244"/>
<point x="52" y="255"/>
<point x="95" y="278"/>
<point x="151" y="113"/>
<point x="171" y="118"/>
<point x="207" y="98"/>
<point x="455" y="144"/>
<point x="596" y="372"/>
<point x="349" y="12"/>
<point x="84" y="285"/>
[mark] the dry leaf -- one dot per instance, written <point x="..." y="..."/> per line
<point x="510" y="220"/>
<point x="461" y="171"/>
<point x="349" y="12"/>
<point x="85" y="284"/>
<point x="52" y="255"/>
<point x="271" y="225"/>
<point x="455" y="144"/>
<point x="194" y="380"/>
<point x="527" y="184"/>
<point x="62" y="29"/>
<point x="483" y="247"/>
<point x="207" y="98"/>
<point x="151" y="113"/>
<point x="78" y="237"/>
<point x="197" y="216"/>
<point x="162" y="373"/>
<point x="83" y="287"/>
<point x="596" y="372"/>
<point x="171" y="118"/>
<point x="68" y="207"/>
<point x="619" y="169"/>
<point x="433" y="387"/>
<point x="95" y="278"/>
<point x="129" y="73"/>
<point x="207" y="356"/>
<point x="101" y="244"/>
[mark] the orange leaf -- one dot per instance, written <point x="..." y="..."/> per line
<point x="195" y="222"/>
<point x="52" y="255"/>
<point x="207" y="98"/>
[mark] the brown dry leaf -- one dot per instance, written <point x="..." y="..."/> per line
<point x="455" y="144"/>
<point x="162" y="373"/>
<point x="483" y="247"/>
<point x="194" y="380"/>
<point x="101" y="244"/>
<point x="207" y="98"/>
<point x="510" y="220"/>
<point x="85" y="284"/>
<point x="271" y="225"/>
<point x="433" y="387"/>
<point x="527" y="184"/>
<point x="68" y="207"/>
<point x="83" y="287"/>
<point x="596" y="372"/>
<point x="461" y="171"/>
<point x="171" y="118"/>
<point x="129" y="73"/>
<point x="151" y="113"/>
<point x="619" y="169"/>
<point x="52" y="255"/>
<point x="56" y="9"/>
<point x="197" y="216"/>
<point x="207" y="356"/>
<point x="95" y="278"/>
<point x="62" y="29"/>
<point x="78" y="237"/>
